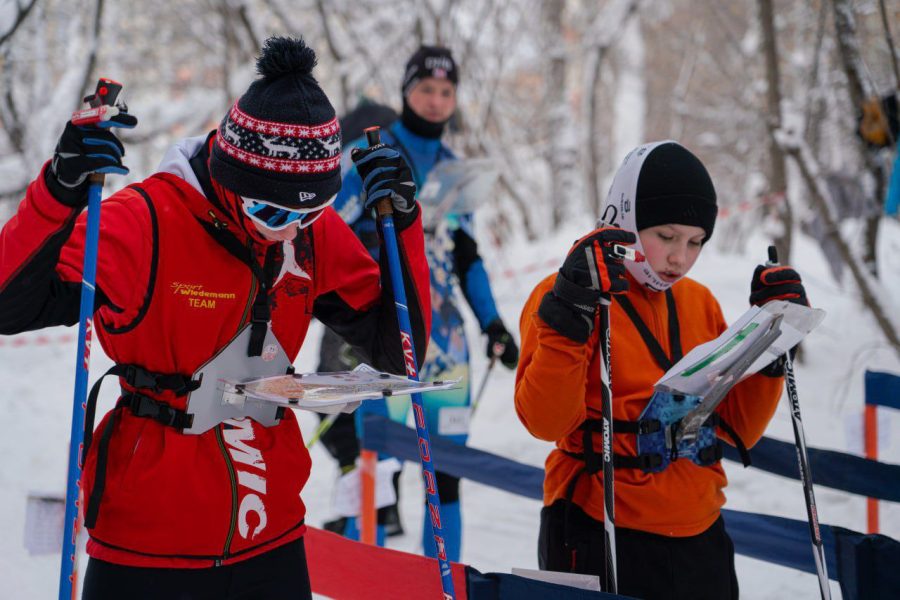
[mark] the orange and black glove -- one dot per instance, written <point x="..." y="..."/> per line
<point x="777" y="283"/>
<point x="590" y="271"/>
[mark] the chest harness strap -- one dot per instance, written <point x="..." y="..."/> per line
<point x="260" y="312"/>
<point x="651" y="462"/>
<point x="141" y="406"/>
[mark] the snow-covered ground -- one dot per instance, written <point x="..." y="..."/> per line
<point x="36" y="374"/>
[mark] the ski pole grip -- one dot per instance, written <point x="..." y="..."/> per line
<point x="106" y="93"/>
<point x="773" y="256"/>
<point x="373" y="135"/>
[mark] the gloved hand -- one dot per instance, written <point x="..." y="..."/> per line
<point x="590" y="271"/>
<point x="385" y="174"/>
<point x="81" y="151"/>
<point x="500" y="343"/>
<point x="776" y="283"/>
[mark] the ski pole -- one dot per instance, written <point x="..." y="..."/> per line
<point x="102" y="108"/>
<point x="606" y="414"/>
<point x="322" y="429"/>
<point x="385" y="214"/>
<point x="803" y="460"/>
<point x="484" y="379"/>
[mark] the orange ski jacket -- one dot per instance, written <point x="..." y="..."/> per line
<point x="558" y="387"/>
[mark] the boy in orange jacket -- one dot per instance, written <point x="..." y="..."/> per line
<point x="670" y="537"/>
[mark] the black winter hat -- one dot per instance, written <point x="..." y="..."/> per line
<point x="675" y="187"/>
<point x="281" y="141"/>
<point x="429" y="61"/>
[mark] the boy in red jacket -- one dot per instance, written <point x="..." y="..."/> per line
<point x="235" y="231"/>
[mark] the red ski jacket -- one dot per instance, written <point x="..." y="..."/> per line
<point x="558" y="387"/>
<point x="169" y="296"/>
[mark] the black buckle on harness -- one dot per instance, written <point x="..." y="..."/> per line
<point x="148" y="408"/>
<point x="260" y="313"/>
<point x="140" y="378"/>
<point x="711" y="454"/>
<point x="648" y="426"/>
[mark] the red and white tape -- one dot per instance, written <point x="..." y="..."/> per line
<point x="37" y="340"/>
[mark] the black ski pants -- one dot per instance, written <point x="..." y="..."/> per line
<point x="280" y="574"/>
<point x="652" y="567"/>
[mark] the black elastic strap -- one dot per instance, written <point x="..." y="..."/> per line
<point x="260" y="312"/>
<point x="736" y="440"/>
<point x="146" y="407"/>
<point x="664" y="362"/>
<point x="90" y="414"/>
<point x="642" y="427"/>
<point x="137" y="377"/>
<point x="621" y="461"/>
<point x="674" y="327"/>
<point x="92" y="510"/>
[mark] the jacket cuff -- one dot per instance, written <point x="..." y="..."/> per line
<point x="76" y="197"/>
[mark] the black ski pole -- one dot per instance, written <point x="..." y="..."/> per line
<point x="609" y="497"/>
<point x="484" y="379"/>
<point x="803" y="460"/>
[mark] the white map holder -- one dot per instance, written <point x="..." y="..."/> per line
<point x="337" y="392"/>
<point x="698" y="371"/>
<point x="456" y="186"/>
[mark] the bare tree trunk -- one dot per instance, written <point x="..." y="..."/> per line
<point x="87" y="85"/>
<point x="599" y="38"/>
<point x="851" y="59"/>
<point x="890" y="42"/>
<point x="811" y="173"/>
<point x="815" y="105"/>
<point x="593" y="152"/>
<point x="777" y="175"/>
<point x="560" y="152"/>
<point x="336" y="55"/>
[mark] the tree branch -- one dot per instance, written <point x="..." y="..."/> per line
<point x="809" y="169"/>
<point x="21" y="15"/>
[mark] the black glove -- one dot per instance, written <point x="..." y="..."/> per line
<point x="590" y="271"/>
<point x="385" y="174"/>
<point x="776" y="283"/>
<point x="81" y="151"/>
<point x="500" y="343"/>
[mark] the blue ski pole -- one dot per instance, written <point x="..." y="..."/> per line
<point x="102" y="108"/>
<point x="385" y="214"/>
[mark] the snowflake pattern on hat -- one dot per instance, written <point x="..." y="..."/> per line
<point x="280" y="147"/>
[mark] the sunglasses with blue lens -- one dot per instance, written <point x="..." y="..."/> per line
<point x="275" y="217"/>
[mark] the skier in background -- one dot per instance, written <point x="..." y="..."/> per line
<point x="235" y="230"/>
<point x="671" y="540"/>
<point x="429" y="100"/>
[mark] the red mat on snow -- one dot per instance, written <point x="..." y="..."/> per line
<point x="343" y="569"/>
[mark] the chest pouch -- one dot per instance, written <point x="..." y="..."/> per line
<point x="657" y="429"/>
<point x="208" y="405"/>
